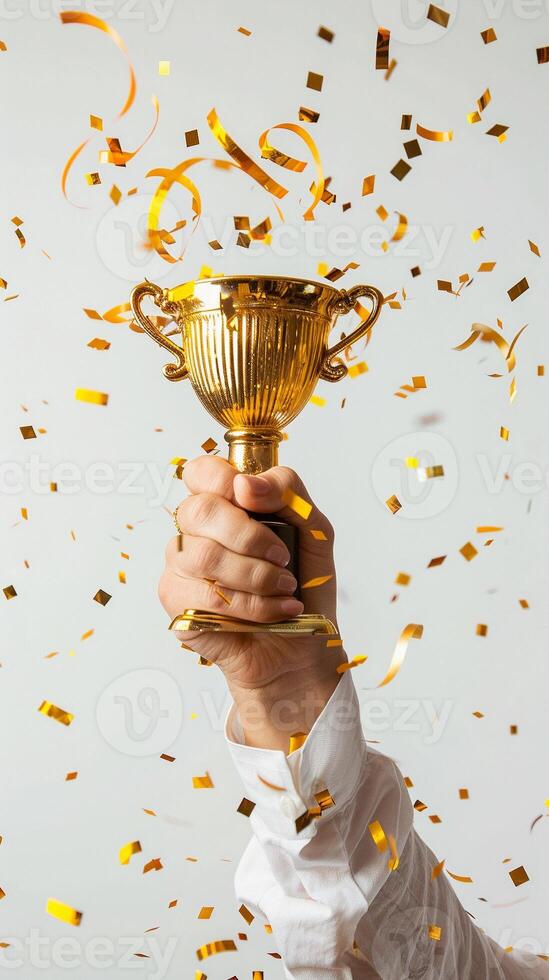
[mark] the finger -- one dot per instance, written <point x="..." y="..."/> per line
<point x="180" y="593"/>
<point x="210" y="474"/>
<point x="280" y="490"/>
<point x="203" y="558"/>
<point x="211" y="516"/>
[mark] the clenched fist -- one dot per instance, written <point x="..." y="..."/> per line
<point x="225" y="550"/>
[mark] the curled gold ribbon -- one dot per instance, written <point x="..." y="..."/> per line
<point x="298" y="165"/>
<point x="414" y="631"/>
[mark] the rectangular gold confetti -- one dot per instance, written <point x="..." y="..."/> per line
<point x="164" y="67"/>
<point x="93" y="179"/>
<point x="245" y="807"/>
<point x="128" y="850"/>
<point x="518" y="289"/>
<point x="58" y="714"/>
<point x="438" y="16"/>
<point x="244" y="31"/>
<point x="481" y="629"/>
<point x="102" y="597"/>
<point x="209" y="445"/>
<point x="543" y="55"/>
<point x="498" y="131"/>
<point x="203" y="782"/>
<point x="63" y="912"/>
<point x="468" y="551"/>
<point x="504" y="433"/>
<point x="519" y="876"/>
<point x="315" y="81"/>
<point x="524" y="603"/>
<point x="394" y="504"/>
<point x="90" y="396"/>
<point x="192" y="138"/>
<point x="435" y="932"/>
<point x="382" y="47"/>
<point x="406" y="121"/>
<point x="488" y="35"/>
<point x="400" y="169"/>
<point x="9" y="592"/>
<point x="246" y="914"/>
<point x="464" y="794"/>
<point x="402" y="578"/>
<point x="357" y="369"/>
<point x="206" y="912"/>
<point x="27" y="431"/>
<point x="326" y="34"/>
<point x="308" y="115"/>
<point x="368" y="185"/>
<point x="96" y="122"/>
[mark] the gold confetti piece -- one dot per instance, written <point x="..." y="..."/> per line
<point x="99" y="344"/>
<point x="92" y="179"/>
<point x="498" y="131"/>
<point x="296" y="741"/>
<point x="413" y="149"/>
<point x="115" y="194"/>
<point x="52" y="711"/>
<point x="488" y="35"/>
<point x="206" y="912"/>
<point x="382" y="47"/>
<point x="437" y="870"/>
<point x="484" y="100"/>
<point x="96" y="122"/>
<point x="27" y="432"/>
<point x="434" y="932"/>
<point x="246" y="914"/>
<point x="473" y="117"/>
<point x="308" y="115"/>
<point x="351" y="664"/>
<point x="155" y="864"/>
<point x="9" y="592"/>
<point x="419" y="381"/>
<point x="326" y="34"/>
<point x="219" y="946"/>
<point x="3" y="46"/>
<point x="524" y="603"/>
<point x="518" y="289"/>
<point x="486" y="267"/>
<point x="464" y="794"/>
<point x="400" y="169"/>
<point x="128" y="850"/>
<point x="378" y="836"/>
<point x="435" y="819"/>
<point x="368" y="185"/>
<point x="542" y="55"/>
<point x="438" y="16"/>
<point x="513" y="729"/>
<point x="102" y="597"/>
<point x="90" y="396"/>
<point x="504" y="433"/>
<point x="534" y="248"/>
<point x="86" y="636"/>
<point x="519" y="876"/>
<point x="478" y="714"/>
<point x="71" y="776"/>
<point x="513" y="390"/>
<point x="315" y="81"/>
<point x="392" y="65"/>
<point x="402" y="578"/>
<point x="481" y="629"/>
<point x="296" y="503"/>
<point x="464" y="879"/>
<point x="436" y="135"/>
<point x="2" y="893"/>
<point x="318" y="535"/>
<point x="334" y="642"/>
<point x="317" y="400"/>
<point x="192" y="138"/>
<point x="314" y="582"/>
<point x="419" y="806"/>
<point x="167" y="758"/>
<point x="357" y="369"/>
<point x="21" y="237"/>
<point x="541" y="370"/>
<point x="209" y="445"/>
<point x="203" y="782"/>
<point x="244" y="30"/>
<point x="224" y="596"/>
<point x="478" y="233"/>
<point x="245" y="807"/>
<point x="164" y="67"/>
<point x="63" y="912"/>
<point x="394" y="504"/>
<point x="468" y="551"/>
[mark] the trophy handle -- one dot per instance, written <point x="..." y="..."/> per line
<point x="173" y="372"/>
<point x="345" y="302"/>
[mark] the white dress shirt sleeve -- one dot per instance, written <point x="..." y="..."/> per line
<point x="338" y="907"/>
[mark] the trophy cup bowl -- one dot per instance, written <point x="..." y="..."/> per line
<point x="254" y="349"/>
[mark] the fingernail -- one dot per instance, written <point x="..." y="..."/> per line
<point x="258" y="484"/>
<point x="278" y="555"/>
<point x="287" y="582"/>
<point x="292" y="606"/>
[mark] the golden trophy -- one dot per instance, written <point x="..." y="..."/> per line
<point x="254" y="349"/>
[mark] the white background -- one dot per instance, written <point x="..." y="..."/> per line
<point x="133" y="692"/>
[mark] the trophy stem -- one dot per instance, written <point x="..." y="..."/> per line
<point x="253" y="450"/>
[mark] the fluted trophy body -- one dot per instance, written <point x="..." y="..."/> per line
<point x="254" y="349"/>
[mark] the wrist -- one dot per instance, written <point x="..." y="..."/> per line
<point x="287" y="705"/>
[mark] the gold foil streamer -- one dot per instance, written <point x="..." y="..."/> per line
<point x="436" y="135"/>
<point x="277" y="157"/>
<point x="413" y="631"/>
<point x="464" y="879"/>
<point x="128" y="850"/>
<point x="218" y="946"/>
<point x="65" y="913"/>
<point x="378" y="836"/>
<point x="58" y="714"/>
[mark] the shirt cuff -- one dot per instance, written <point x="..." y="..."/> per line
<point x="293" y="794"/>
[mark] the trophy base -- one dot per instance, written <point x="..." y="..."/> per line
<point x="196" y="620"/>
